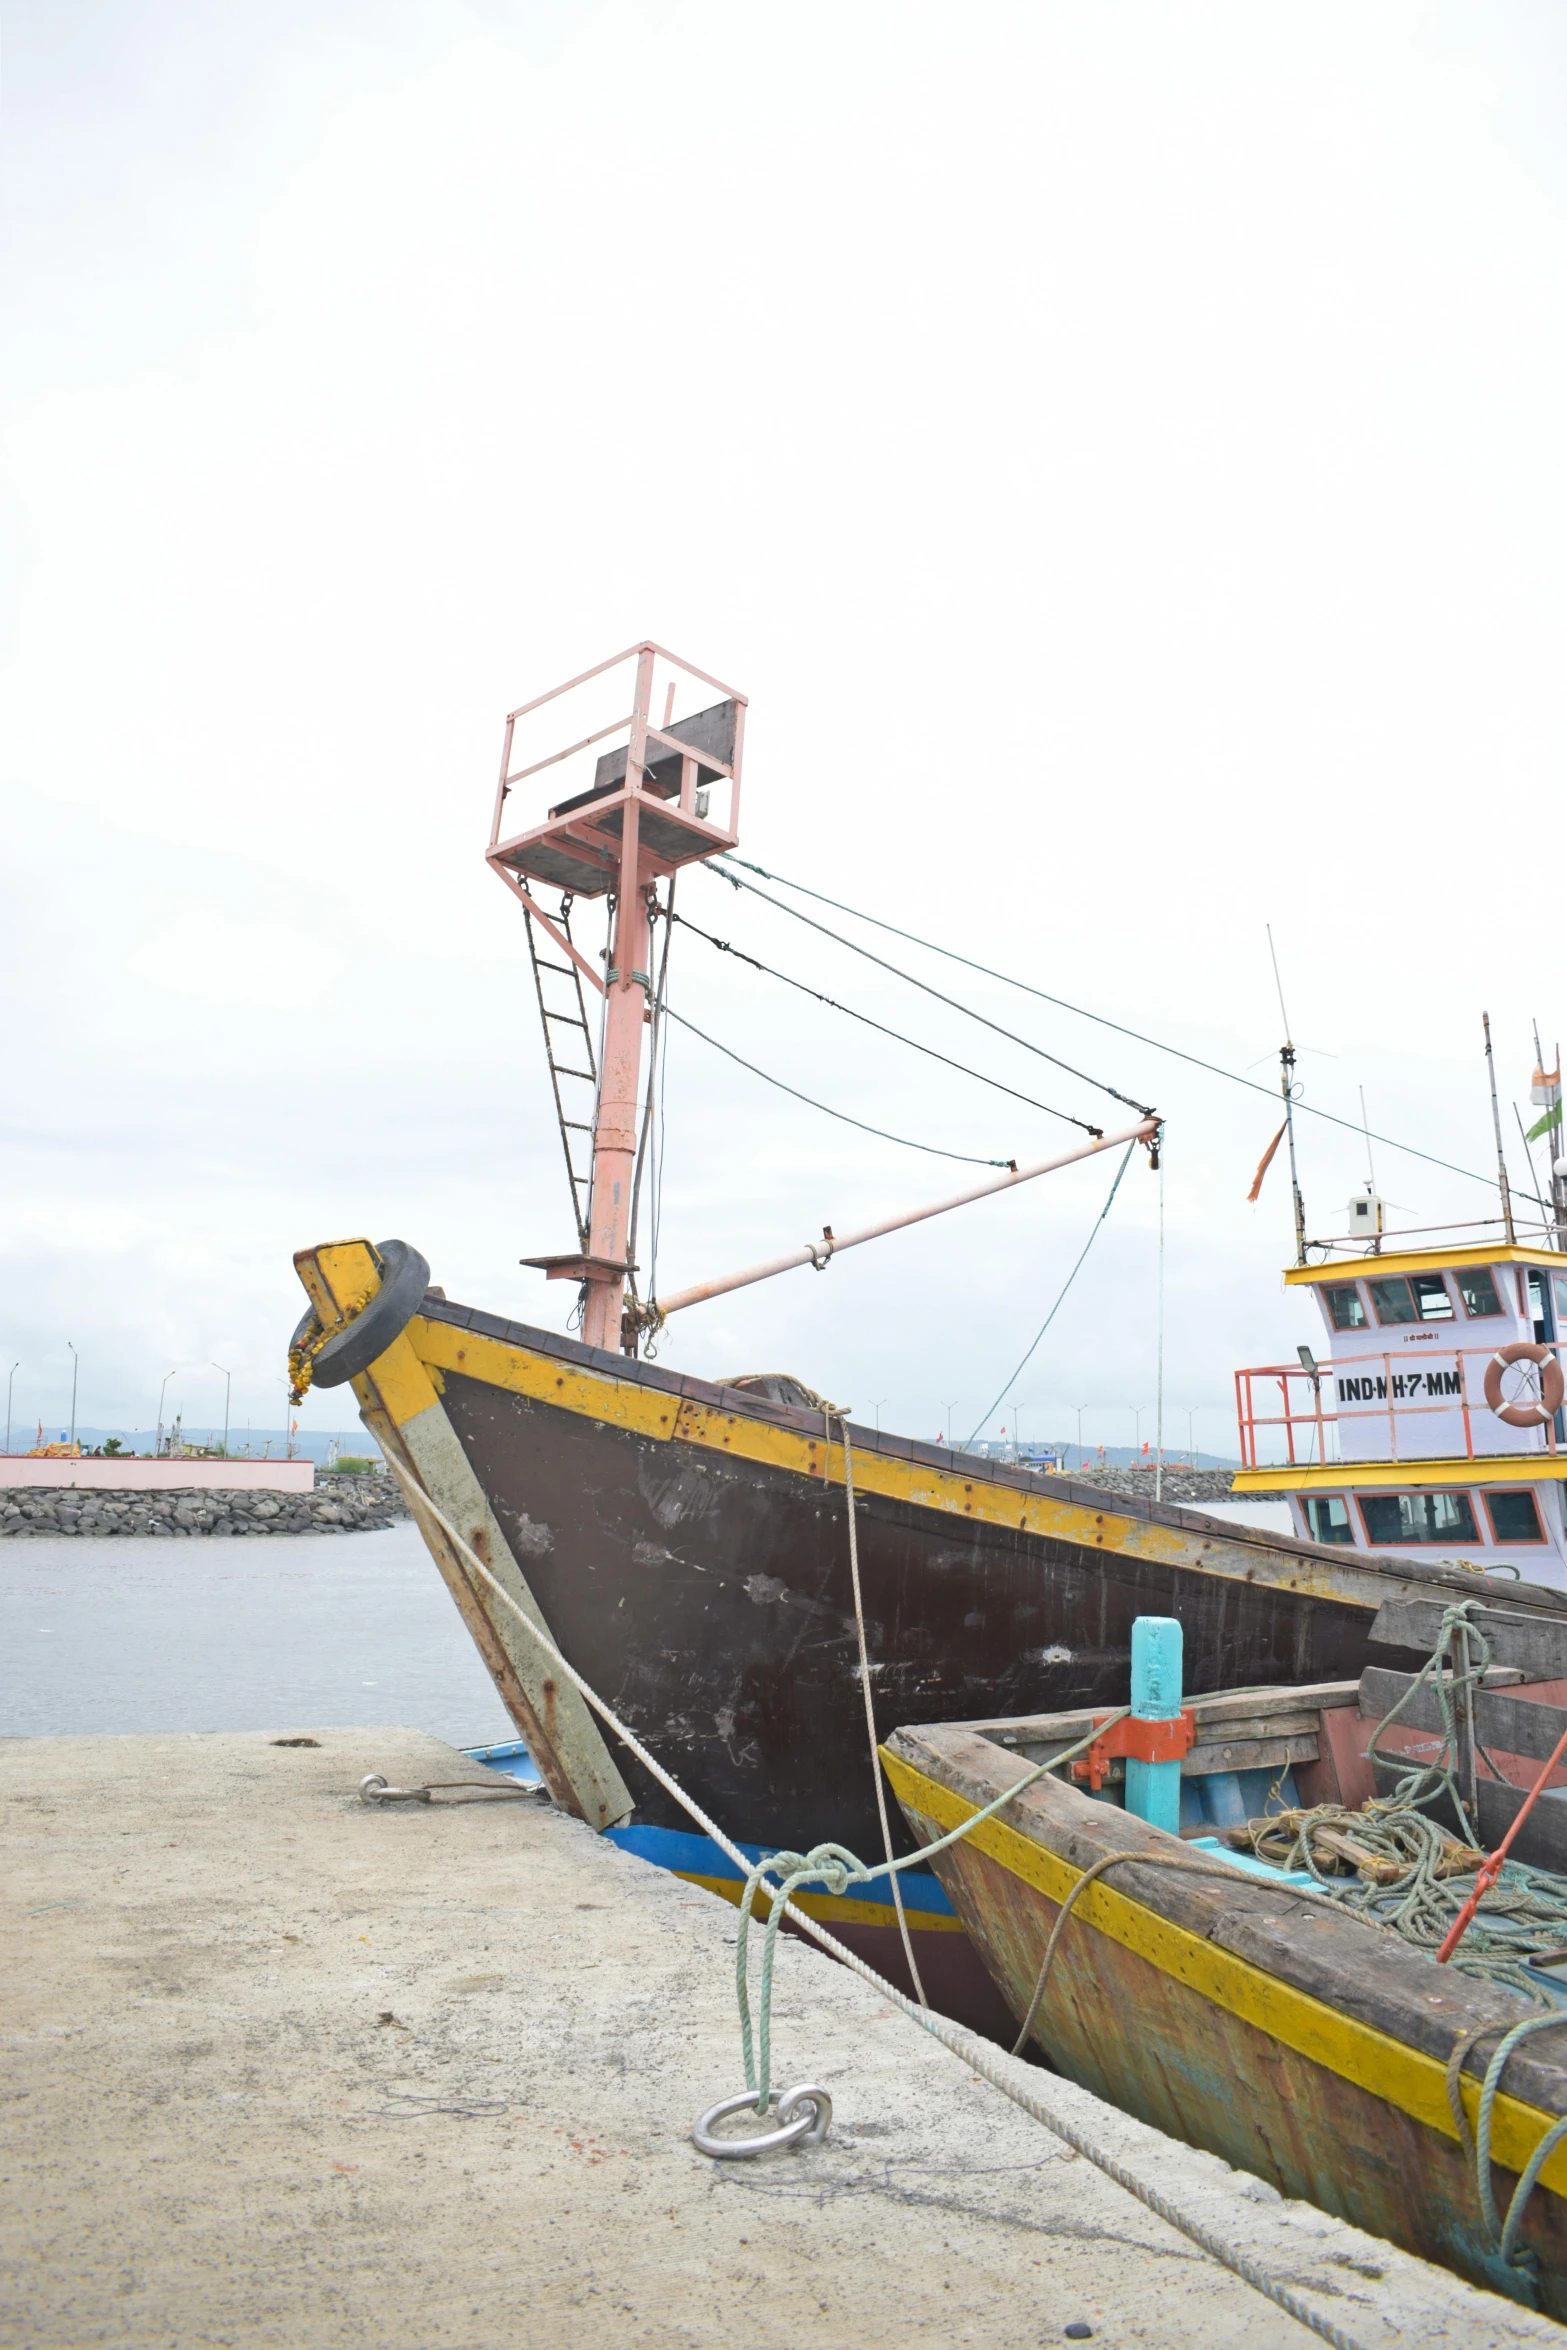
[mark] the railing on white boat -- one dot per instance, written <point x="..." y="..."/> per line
<point x="1387" y="1389"/>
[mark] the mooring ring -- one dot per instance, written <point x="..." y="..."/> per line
<point x="803" y="2116"/>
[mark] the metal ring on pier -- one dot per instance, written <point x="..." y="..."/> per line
<point x="374" y="1789"/>
<point x="803" y="2116"/>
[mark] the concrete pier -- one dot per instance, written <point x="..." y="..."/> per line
<point x="282" y="2070"/>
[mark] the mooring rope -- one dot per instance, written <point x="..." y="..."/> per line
<point x="828" y="1417"/>
<point x="977" y="2054"/>
<point x="1411" y="1877"/>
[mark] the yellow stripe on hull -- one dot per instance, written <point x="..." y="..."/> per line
<point x="432" y="1350"/>
<point x="1356" y="2051"/>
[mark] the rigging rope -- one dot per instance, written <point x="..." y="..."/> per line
<point x="1065" y="1286"/>
<point x="1193" y="1060"/>
<point x="725" y="948"/>
<point x="720" y="867"/>
<point x="930" y="1149"/>
<point x="977" y="2054"/>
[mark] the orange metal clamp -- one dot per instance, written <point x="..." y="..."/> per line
<point x="1136" y="1741"/>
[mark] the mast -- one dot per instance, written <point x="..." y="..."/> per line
<point x="643" y="817"/>
<point x="1287" y="1088"/>
<point x="1549" y="1087"/>
<point x="1496" y="1128"/>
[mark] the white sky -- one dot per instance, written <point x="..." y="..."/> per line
<point x="1119" y="450"/>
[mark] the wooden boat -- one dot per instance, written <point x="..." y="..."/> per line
<point x="687" y="1545"/>
<point x="1240" y="2009"/>
<point x="686" y="1541"/>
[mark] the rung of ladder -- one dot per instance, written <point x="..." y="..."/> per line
<point x="567" y="970"/>
<point x="586" y="1075"/>
<point x="567" y="1019"/>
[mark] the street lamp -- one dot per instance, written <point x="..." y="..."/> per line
<point x="1191" y="1442"/>
<point x="949" y="1409"/>
<point x="75" y="1368"/>
<point x="876" y="1407"/>
<point x="1080" y="1409"/>
<point x="10" y="1380"/>
<point x="1137" y="1410"/>
<point x="227" y="1392"/>
<point x="157" y="1442"/>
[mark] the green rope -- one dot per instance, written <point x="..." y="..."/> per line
<point x="834" y="1869"/>
<point x="1504" y="2234"/>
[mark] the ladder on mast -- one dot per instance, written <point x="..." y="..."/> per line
<point x="571" y="1024"/>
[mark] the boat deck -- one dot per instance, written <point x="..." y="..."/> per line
<point x="284" y="2069"/>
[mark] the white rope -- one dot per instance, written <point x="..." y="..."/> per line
<point x="978" y="2054"/>
<point x="865" y="1686"/>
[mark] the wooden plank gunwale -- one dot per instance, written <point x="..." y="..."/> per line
<point x="1292" y="2039"/>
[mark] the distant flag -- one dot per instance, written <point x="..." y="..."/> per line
<point x="1266" y="1161"/>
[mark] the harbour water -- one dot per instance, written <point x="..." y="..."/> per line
<point x="121" y="1637"/>
<point x="152" y="1635"/>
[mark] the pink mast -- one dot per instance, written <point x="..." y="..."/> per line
<point x="643" y="817"/>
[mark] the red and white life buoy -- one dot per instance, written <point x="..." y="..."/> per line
<point x="1525" y="1415"/>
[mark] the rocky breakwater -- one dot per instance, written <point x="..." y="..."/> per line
<point x="340" y="1505"/>
<point x="1197" y="1485"/>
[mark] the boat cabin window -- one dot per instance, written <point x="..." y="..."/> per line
<point x="1345" y="1309"/>
<point x="1478" y="1292"/>
<point x="1422" y="1298"/>
<point x="1514" y="1517"/>
<point x="1417" y="1517"/>
<point x="1327" y="1518"/>
<point x="1541" y="1319"/>
<point x="1559" y="1284"/>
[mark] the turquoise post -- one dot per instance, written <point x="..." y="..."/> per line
<point x="1153" y="1790"/>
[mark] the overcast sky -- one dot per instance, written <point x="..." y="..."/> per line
<point x="1118" y="450"/>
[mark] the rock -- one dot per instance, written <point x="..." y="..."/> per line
<point x="342" y="1505"/>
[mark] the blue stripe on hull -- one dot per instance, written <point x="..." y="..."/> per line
<point x="698" y="1856"/>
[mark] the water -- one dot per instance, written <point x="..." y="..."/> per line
<point x="297" y="1632"/>
<point x="302" y="1631"/>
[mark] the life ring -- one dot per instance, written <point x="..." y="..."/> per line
<point x="405" y="1276"/>
<point x="1525" y="1415"/>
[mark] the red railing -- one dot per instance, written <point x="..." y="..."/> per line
<point x="1403" y="1390"/>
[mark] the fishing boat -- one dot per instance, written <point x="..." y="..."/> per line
<point x="687" y="1541"/>
<point x="1433" y="1423"/>
<point x="1224" y="1871"/>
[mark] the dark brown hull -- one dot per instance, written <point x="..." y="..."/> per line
<point x="707" y="1596"/>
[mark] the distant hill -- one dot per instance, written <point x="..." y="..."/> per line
<point x="244" y="1443"/>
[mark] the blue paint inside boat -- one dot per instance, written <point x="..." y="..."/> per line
<point x="698" y="1856"/>
<point x="1301" y="1878"/>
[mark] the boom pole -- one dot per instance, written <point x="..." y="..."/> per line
<point x="820" y="1253"/>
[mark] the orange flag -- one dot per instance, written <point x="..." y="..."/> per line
<point x="1266" y="1161"/>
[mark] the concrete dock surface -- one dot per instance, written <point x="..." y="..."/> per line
<point x="282" y="2069"/>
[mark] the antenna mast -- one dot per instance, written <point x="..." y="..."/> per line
<point x="1496" y="1125"/>
<point x="1287" y="1088"/>
<point x="1547" y="1087"/>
